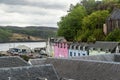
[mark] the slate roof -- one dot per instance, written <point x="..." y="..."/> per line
<point x="85" y="69"/>
<point x="105" y="45"/>
<point x="60" y="39"/>
<point x="37" y="61"/>
<point x="115" y="15"/>
<point x="39" y="72"/>
<point x="13" y="61"/>
<point x="98" y="67"/>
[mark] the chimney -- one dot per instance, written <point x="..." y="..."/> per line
<point x="105" y="29"/>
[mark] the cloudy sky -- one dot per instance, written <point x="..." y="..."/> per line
<point x="33" y="12"/>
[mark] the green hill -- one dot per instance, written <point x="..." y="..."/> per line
<point x="30" y="33"/>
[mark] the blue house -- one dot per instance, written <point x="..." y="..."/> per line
<point x="78" y="49"/>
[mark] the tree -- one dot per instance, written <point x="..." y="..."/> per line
<point x="90" y="5"/>
<point x="114" y="36"/>
<point x="72" y="22"/>
<point x="109" y="5"/>
<point x="95" y="20"/>
<point x="92" y="26"/>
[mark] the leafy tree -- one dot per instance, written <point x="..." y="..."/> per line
<point x="109" y="5"/>
<point x="84" y="35"/>
<point x="114" y="36"/>
<point x="92" y="26"/>
<point x="95" y="20"/>
<point x="90" y="5"/>
<point x="98" y="34"/>
<point x="70" y="24"/>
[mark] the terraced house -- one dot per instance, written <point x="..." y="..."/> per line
<point x="78" y="49"/>
<point x="103" y="47"/>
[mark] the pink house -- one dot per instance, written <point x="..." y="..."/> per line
<point x="61" y="50"/>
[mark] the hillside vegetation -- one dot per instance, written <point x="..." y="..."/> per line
<point x="13" y="33"/>
<point x="22" y="37"/>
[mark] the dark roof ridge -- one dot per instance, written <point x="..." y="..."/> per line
<point x="27" y="67"/>
<point x="106" y="62"/>
<point x="39" y="59"/>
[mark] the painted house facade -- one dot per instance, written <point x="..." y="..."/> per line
<point x="61" y="50"/>
<point x="50" y="47"/>
<point x="77" y="50"/>
<point x="100" y="47"/>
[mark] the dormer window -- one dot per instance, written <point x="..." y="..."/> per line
<point x="58" y="45"/>
<point x="81" y="48"/>
<point x="64" y="45"/>
<point x="72" y="46"/>
<point x="77" y="47"/>
<point x="107" y="50"/>
<point x="61" y="45"/>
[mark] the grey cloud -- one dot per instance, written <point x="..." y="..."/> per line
<point x="13" y="2"/>
<point x="37" y="4"/>
<point x="32" y="12"/>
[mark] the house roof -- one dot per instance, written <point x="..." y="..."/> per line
<point x="37" y="61"/>
<point x="13" y="61"/>
<point x="86" y="69"/>
<point x="38" y="72"/>
<point x="22" y="47"/>
<point x="115" y="15"/>
<point x="60" y="39"/>
<point x="105" y="45"/>
<point x="103" y="67"/>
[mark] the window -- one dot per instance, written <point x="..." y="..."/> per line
<point x="70" y="53"/>
<point x="83" y="54"/>
<point x="77" y="47"/>
<point x="60" y="45"/>
<point x="107" y="50"/>
<point x="64" y="45"/>
<point x="24" y="50"/>
<point x="72" y="46"/>
<point x="78" y="54"/>
<point x="74" y="54"/>
<point x="81" y="48"/>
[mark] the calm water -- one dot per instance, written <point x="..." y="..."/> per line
<point x="32" y="45"/>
